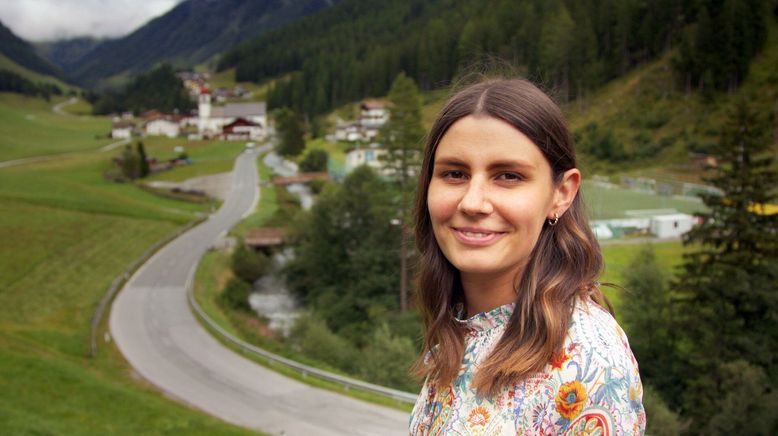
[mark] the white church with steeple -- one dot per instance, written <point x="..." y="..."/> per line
<point x="212" y="120"/>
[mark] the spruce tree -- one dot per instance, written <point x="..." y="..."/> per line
<point x="130" y="164"/>
<point x="728" y="289"/>
<point x="290" y="130"/>
<point x="645" y="313"/>
<point x="402" y="137"/>
<point x="143" y="163"/>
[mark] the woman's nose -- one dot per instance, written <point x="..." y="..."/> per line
<point x="475" y="200"/>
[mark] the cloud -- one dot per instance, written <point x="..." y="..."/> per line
<point x="41" y="20"/>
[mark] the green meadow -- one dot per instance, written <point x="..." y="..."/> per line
<point x="29" y="127"/>
<point x="208" y="157"/>
<point x="607" y="203"/>
<point x="67" y="233"/>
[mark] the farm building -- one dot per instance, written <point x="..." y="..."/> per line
<point x="122" y="130"/>
<point x="671" y="226"/>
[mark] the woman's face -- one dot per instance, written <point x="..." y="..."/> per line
<point x="490" y="193"/>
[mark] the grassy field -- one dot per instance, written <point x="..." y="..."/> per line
<point x="336" y="152"/>
<point x="618" y="257"/>
<point x="208" y="157"/>
<point x="266" y="207"/>
<point x="604" y="203"/>
<point x="226" y="79"/>
<point x="28" y="127"/>
<point x="66" y="234"/>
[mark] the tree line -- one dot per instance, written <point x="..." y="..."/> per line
<point x="12" y="82"/>
<point x="158" y="89"/>
<point x="355" y="49"/>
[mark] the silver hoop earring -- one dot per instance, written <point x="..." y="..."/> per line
<point x="552" y="221"/>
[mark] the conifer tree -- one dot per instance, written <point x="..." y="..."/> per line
<point x="645" y="312"/>
<point x="143" y="163"/>
<point x="290" y="130"/>
<point x="728" y="289"/>
<point x="130" y="163"/>
<point x="402" y="136"/>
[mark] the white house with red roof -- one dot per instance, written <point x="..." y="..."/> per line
<point x="213" y="119"/>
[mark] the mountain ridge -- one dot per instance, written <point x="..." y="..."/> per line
<point x="22" y="53"/>
<point x="190" y="33"/>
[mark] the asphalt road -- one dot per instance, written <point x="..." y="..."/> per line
<point x="154" y="328"/>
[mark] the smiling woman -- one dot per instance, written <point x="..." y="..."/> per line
<point x="518" y="340"/>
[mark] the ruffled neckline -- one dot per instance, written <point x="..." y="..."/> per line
<point x="484" y="321"/>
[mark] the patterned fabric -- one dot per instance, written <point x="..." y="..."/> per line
<point x="591" y="387"/>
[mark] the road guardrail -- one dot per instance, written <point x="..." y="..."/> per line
<point x="305" y="370"/>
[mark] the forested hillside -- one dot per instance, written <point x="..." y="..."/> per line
<point x="67" y="53"/>
<point x="24" y="54"/>
<point x="355" y="49"/>
<point x="158" y="89"/>
<point x="189" y="34"/>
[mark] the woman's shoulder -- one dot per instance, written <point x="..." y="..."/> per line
<point x="594" y="328"/>
<point x="594" y="379"/>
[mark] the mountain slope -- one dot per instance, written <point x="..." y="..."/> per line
<point x="189" y="34"/>
<point x="67" y="53"/>
<point x="23" y="54"/>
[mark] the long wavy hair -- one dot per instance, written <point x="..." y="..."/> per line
<point x="564" y="264"/>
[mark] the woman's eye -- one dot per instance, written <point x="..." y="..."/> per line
<point x="454" y="175"/>
<point x="510" y="177"/>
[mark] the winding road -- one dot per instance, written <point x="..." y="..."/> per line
<point x="153" y="326"/>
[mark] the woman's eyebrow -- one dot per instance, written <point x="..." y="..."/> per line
<point x="511" y="164"/>
<point x="498" y="165"/>
<point x="450" y="161"/>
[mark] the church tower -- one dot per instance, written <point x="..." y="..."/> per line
<point x="204" y="110"/>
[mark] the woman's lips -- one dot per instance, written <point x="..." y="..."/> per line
<point x="475" y="236"/>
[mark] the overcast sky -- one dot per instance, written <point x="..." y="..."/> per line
<point x="39" y="20"/>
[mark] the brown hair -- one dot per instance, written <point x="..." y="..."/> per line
<point x="564" y="263"/>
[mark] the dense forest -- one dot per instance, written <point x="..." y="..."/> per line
<point x="356" y="48"/>
<point x="158" y="89"/>
<point x="12" y="82"/>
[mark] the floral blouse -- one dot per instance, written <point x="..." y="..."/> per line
<point x="592" y="387"/>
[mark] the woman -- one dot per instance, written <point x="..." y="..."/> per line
<point x="517" y="338"/>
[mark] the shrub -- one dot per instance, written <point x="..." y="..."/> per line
<point x="387" y="359"/>
<point x="247" y="264"/>
<point x="312" y="337"/>
<point x="660" y="419"/>
<point x="236" y="295"/>
<point x="315" y="161"/>
<point x="747" y="403"/>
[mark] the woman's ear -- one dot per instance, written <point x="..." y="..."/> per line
<point x="564" y="192"/>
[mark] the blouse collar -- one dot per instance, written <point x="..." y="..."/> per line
<point x="484" y="321"/>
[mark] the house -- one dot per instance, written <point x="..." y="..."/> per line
<point x="300" y="178"/>
<point x="212" y="119"/>
<point x="122" y="130"/>
<point x="242" y="129"/>
<point x="671" y="226"/>
<point x="370" y="156"/>
<point x="373" y="114"/>
<point x="348" y="131"/>
<point x="165" y="125"/>
<point x="265" y="239"/>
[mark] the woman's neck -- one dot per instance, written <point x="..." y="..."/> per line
<point x="484" y="293"/>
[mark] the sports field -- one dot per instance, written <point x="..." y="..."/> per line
<point x="606" y="203"/>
